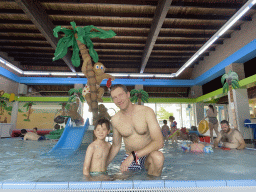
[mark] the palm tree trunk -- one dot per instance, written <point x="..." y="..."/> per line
<point x="87" y="69"/>
<point x="139" y="101"/>
<point x="232" y="106"/>
<point x="29" y="112"/>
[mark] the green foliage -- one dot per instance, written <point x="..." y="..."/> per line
<point x="163" y="114"/>
<point x="74" y="94"/>
<point x="230" y="79"/>
<point x="28" y="104"/>
<point x="19" y="110"/>
<point x="26" y="119"/>
<point x="84" y="36"/>
<point x="139" y="94"/>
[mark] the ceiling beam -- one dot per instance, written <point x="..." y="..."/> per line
<point x="38" y="16"/>
<point x="158" y="20"/>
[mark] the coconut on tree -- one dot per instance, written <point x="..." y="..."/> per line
<point x="230" y="82"/>
<point x="79" y="38"/>
<point x="138" y="96"/>
<point x="28" y="106"/>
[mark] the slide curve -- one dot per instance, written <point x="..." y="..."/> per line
<point x="70" y="139"/>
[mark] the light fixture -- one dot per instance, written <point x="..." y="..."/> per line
<point x="141" y="75"/>
<point x="36" y="73"/>
<point x="63" y="74"/>
<point x="220" y="32"/>
<point x="4" y="62"/>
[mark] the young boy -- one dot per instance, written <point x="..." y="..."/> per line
<point x="165" y="130"/>
<point x="95" y="162"/>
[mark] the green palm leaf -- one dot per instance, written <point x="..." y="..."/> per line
<point x="223" y="78"/>
<point x="225" y="87"/>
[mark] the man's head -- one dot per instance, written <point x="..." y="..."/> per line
<point x="194" y="138"/>
<point x="35" y="129"/>
<point x="23" y="131"/>
<point x="102" y="128"/>
<point x="120" y="96"/>
<point x="165" y="122"/>
<point x="225" y="126"/>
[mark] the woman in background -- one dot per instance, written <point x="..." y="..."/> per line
<point x="211" y="114"/>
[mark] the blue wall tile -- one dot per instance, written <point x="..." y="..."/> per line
<point x="116" y="184"/>
<point x="180" y="183"/>
<point x="85" y="185"/>
<point x="52" y="185"/>
<point x="18" y="185"/>
<point x="148" y="184"/>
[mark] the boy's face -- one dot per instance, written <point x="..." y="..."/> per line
<point x="34" y="130"/>
<point x="101" y="131"/>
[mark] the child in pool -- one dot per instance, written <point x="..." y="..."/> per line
<point x="195" y="146"/>
<point x="165" y="130"/>
<point x="173" y="126"/>
<point x="95" y="162"/>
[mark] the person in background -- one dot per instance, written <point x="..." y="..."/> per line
<point x="231" y="138"/>
<point x="35" y="130"/>
<point x="95" y="162"/>
<point x="165" y="130"/>
<point x="173" y="126"/>
<point x="196" y="147"/>
<point x="31" y="136"/>
<point x="211" y="114"/>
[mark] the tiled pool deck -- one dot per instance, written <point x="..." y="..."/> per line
<point x="136" y="185"/>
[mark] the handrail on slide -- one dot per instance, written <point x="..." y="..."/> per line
<point x="70" y="139"/>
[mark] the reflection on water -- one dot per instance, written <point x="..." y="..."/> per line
<point x="25" y="161"/>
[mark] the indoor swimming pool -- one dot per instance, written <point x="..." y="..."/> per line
<point x="24" y="161"/>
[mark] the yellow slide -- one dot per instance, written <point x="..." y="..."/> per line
<point x="203" y="126"/>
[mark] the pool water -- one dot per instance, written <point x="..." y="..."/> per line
<point x="23" y="161"/>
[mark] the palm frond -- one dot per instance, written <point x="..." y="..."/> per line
<point x="223" y="78"/>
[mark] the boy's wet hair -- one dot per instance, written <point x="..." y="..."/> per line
<point x="101" y="122"/>
<point x="35" y="128"/>
<point x="117" y="86"/>
<point x="164" y="121"/>
<point x="193" y="137"/>
<point x="23" y="131"/>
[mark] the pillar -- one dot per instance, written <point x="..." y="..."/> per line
<point x="241" y="102"/>
<point x="14" y="116"/>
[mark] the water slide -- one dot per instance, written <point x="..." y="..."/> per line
<point x="70" y="140"/>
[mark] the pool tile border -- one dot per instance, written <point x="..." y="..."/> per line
<point x="136" y="184"/>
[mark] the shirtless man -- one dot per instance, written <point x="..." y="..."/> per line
<point x="231" y="138"/>
<point x="31" y="136"/>
<point x="142" y="136"/>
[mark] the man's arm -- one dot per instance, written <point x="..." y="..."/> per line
<point x="217" y="140"/>
<point x="240" y="139"/>
<point x="157" y="141"/>
<point x="116" y="145"/>
<point x="87" y="160"/>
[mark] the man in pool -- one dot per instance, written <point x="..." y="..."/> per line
<point x="231" y="138"/>
<point x="142" y="136"/>
<point x="31" y="136"/>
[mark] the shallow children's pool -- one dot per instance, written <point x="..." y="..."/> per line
<point x="23" y="161"/>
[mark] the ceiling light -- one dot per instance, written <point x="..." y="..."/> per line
<point x="63" y="74"/>
<point x="141" y="75"/>
<point x="36" y="73"/>
<point x="4" y="62"/>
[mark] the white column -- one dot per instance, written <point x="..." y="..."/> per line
<point x="199" y="112"/>
<point x="241" y="102"/>
<point x="14" y="116"/>
<point x="242" y="112"/>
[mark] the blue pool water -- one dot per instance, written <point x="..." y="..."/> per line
<point x="23" y="161"/>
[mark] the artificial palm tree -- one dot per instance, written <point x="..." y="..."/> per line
<point x="230" y="82"/>
<point x="2" y="107"/>
<point x="138" y="96"/>
<point x="28" y="106"/>
<point x="80" y="39"/>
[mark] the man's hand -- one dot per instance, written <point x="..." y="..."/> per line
<point x="126" y="163"/>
